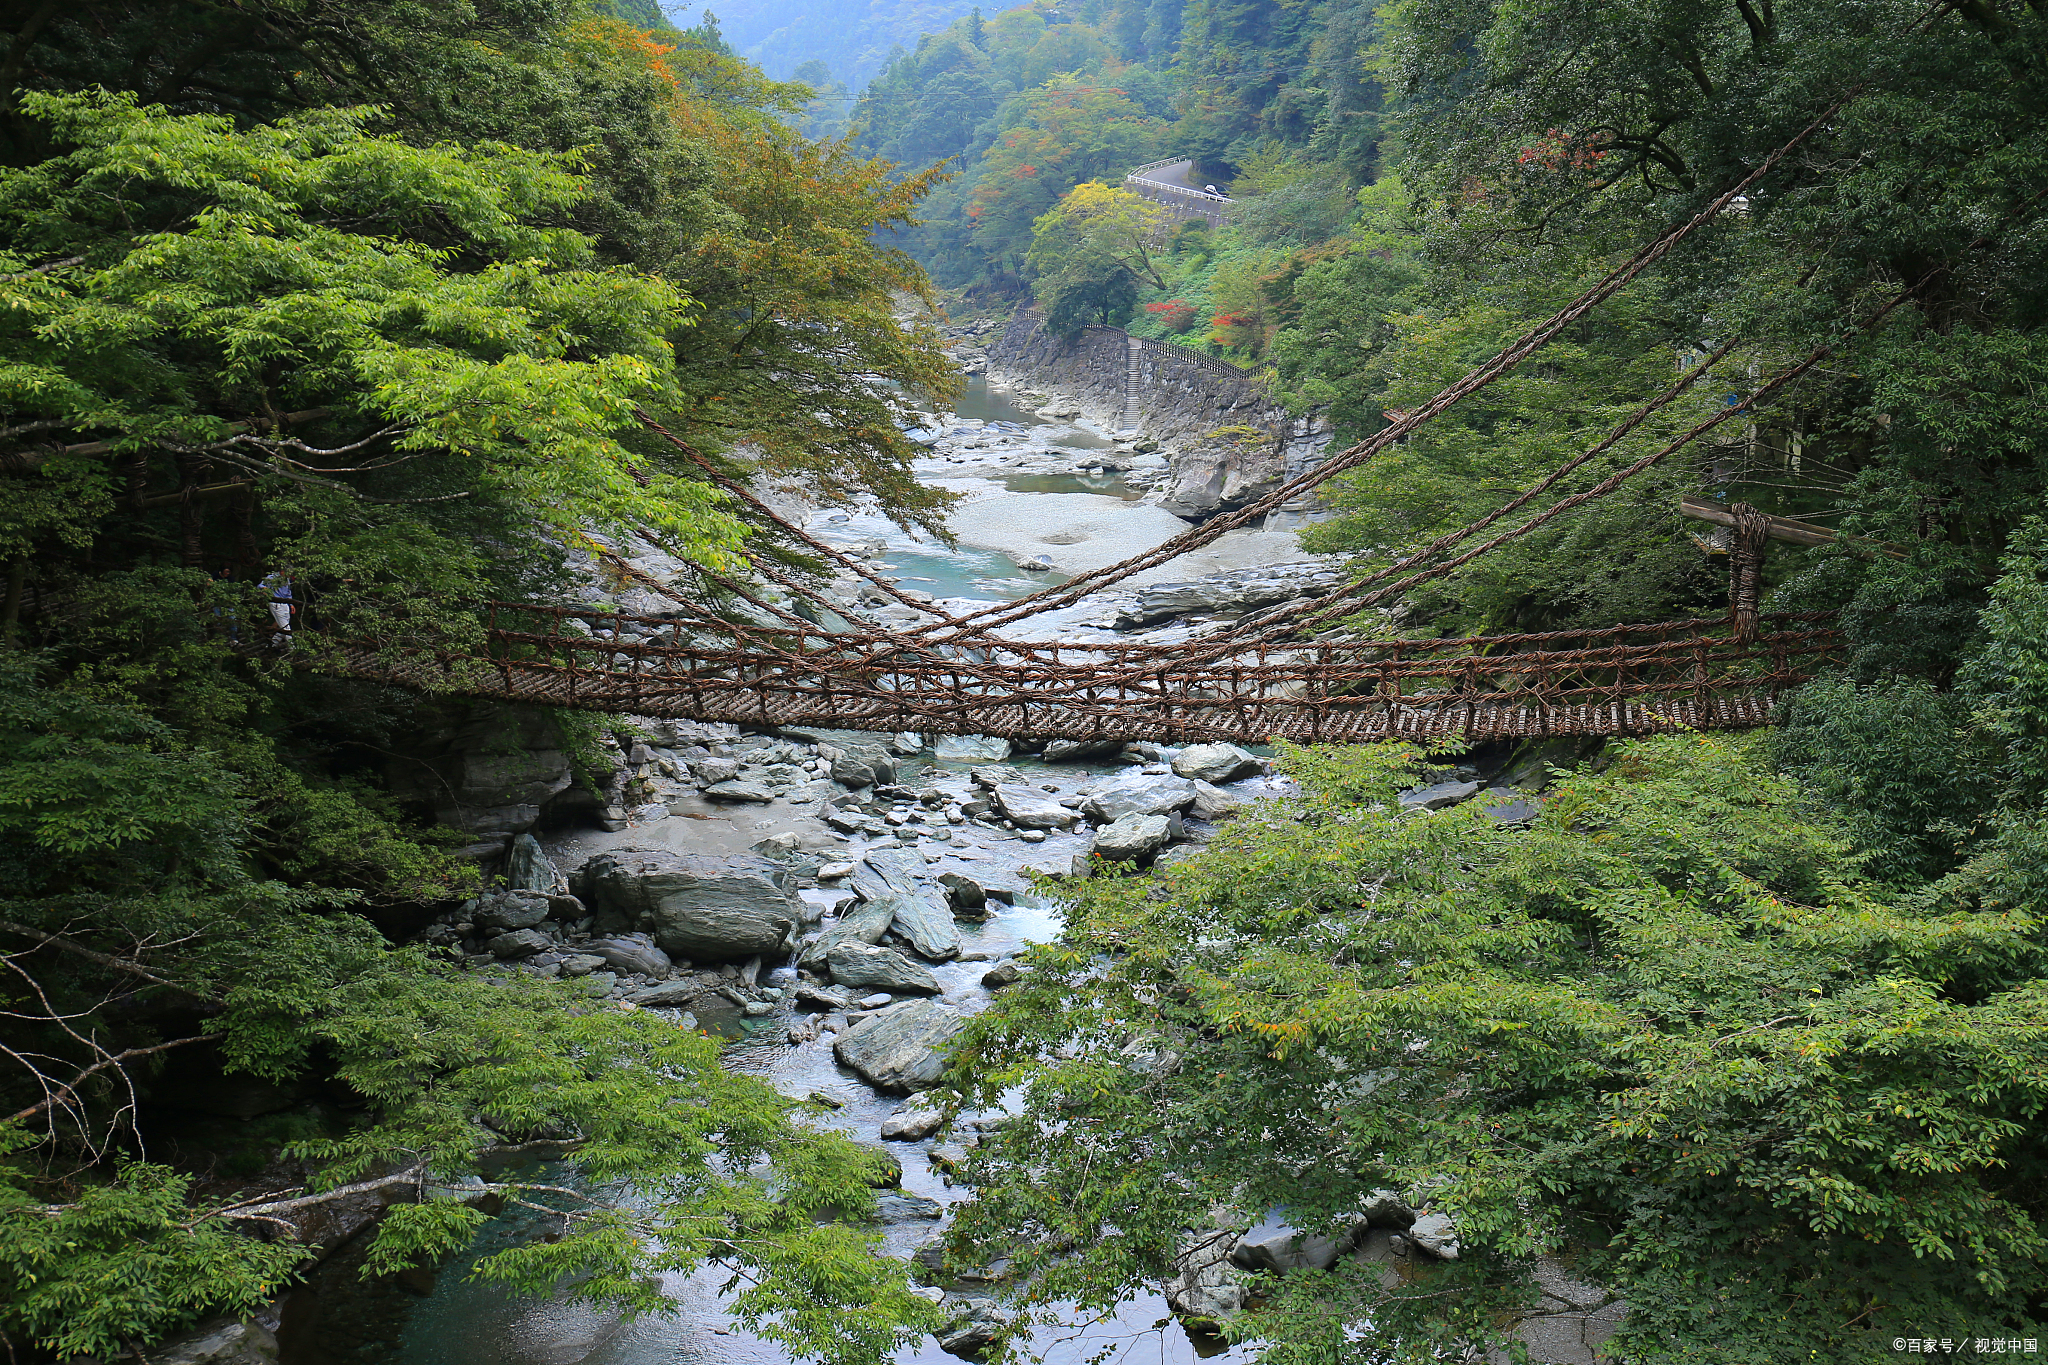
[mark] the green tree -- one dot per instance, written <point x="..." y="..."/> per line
<point x="1668" y="1030"/>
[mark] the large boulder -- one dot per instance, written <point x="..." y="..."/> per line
<point x="630" y="953"/>
<point x="1074" y="750"/>
<point x="511" y="910"/>
<point x="900" y="1049"/>
<point x="865" y="923"/>
<point x="863" y="765"/>
<point x="1030" y="808"/>
<point x="972" y="748"/>
<point x="1213" y="803"/>
<point x="1277" y="1245"/>
<point x="530" y="869"/>
<point x="520" y="943"/>
<point x="1436" y="1234"/>
<point x="879" y="969"/>
<point x="1132" y="837"/>
<point x="1138" y="794"/>
<point x="1214" y="763"/>
<point x="697" y="906"/>
<point x="888" y="872"/>
<point x="926" y="921"/>
<point x="1204" y="1286"/>
<point x="739" y="789"/>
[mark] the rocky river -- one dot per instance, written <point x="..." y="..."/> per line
<point x="836" y="904"/>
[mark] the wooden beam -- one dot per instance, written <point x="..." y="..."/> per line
<point x="1782" y="528"/>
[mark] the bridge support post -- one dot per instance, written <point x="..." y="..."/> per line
<point x="1752" y="530"/>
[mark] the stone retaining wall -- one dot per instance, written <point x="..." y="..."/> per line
<point x="1183" y="399"/>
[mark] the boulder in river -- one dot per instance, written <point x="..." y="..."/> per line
<point x="924" y="919"/>
<point x="1130" y="838"/>
<point x="1204" y="1286"/>
<point x="863" y="765"/>
<point x="972" y="748"/>
<point x="854" y="964"/>
<point x="698" y="906"/>
<point x="1138" y="794"/>
<point x="1074" y="750"/>
<point x="1030" y="808"/>
<point x="1435" y="1234"/>
<point x="1276" y="1245"/>
<point x="911" y="1125"/>
<point x="1213" y="803"/>
<point x="1214" y="762"/>
<point x="900" y="1049"/>
<point x="865" y="923"/>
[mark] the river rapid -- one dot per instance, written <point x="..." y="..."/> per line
<point x="462" y="1322"/>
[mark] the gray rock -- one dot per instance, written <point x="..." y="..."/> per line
<point x="672" y="995"/>
<point x="822" y="997"/>
<point x="1275" y="1245"/>
<point x="519" y="943"/>
<point x="863" y="765"/>
<point x="887" y="872"/>
<point x="1030" y="808"/>
<point x="972" y="748"/>
<point x="598" y="985"/>
<point x="512" y="910"/>
<point x="709" y="772"/>
<point x="1001" y="975"/>
<point x="974" y="1327"/>
<point x="755" y="1009"/>
<point x="1215" y="763"/>
<point x="1213" y="803"/>
<point x="906" y="744"/>
<point x="927" y="922"/>
<point x="530" y="869"/>
<point x="1387" y="1209"/>
<point x="901" y="1049"/>
<point x="740" y="790"/>
<point x="832" y="872"/>
<point x="581" y="964"/>
<point x="1204" y="1286"/>
<point x="700" y="907"/>
<point x="912" y="1125"/>
<point x="1074" y="750"/>
<point x="1506" y="806"/>
<point x="994" y="775"/>
<point x="967" y="897"/>
<point x="1438" y="795"/>
<point x="879" y="1000"/>
<point x="635" y="954"/>
<point x="779" y="847"/>
<point x="1138" y="794"/>
<point x="1132" y="837"/>
<point x="219" y="1342"/>
<point x="866" y="923"/>
<point x="1435" y="1234"/>
<point x="908" y="1208"/>
<point x="881" y="969"/>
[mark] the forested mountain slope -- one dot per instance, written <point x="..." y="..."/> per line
<point x="363" y="305"/>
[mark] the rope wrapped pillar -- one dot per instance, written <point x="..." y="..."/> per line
<point x="1746" y="542"/>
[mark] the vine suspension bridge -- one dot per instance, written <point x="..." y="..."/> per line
<point x="1288" y="672"/>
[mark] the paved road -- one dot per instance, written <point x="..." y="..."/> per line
<point x="1179" y="175"/>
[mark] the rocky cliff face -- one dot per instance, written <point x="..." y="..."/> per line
<point x="1227" y="441"/>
